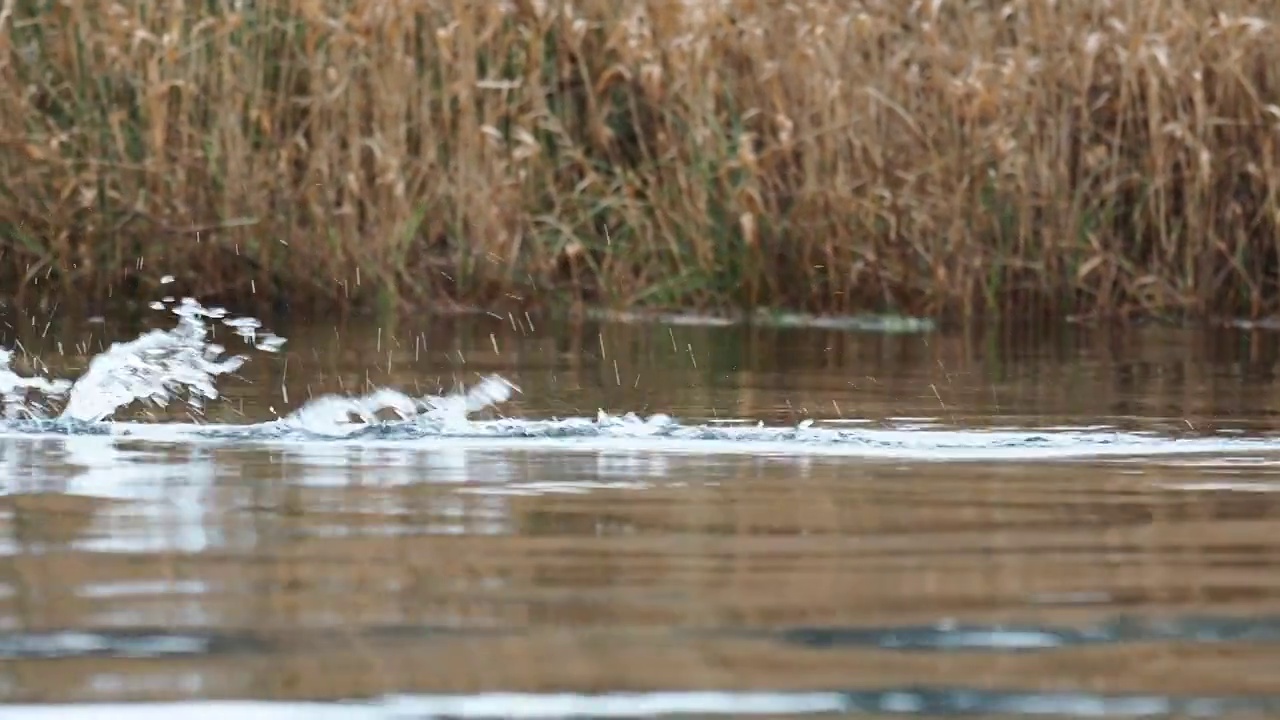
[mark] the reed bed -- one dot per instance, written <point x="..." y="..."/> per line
<point x="833" y="155"/>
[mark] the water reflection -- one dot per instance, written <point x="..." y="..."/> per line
<point x="329" y="562"/>
<point x="414" y="578"/>
<point x="1039" y="374"/>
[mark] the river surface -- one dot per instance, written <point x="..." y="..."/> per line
<point x="793" y="522"/>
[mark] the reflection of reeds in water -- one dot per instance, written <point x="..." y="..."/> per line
<point x="47" y="519"/>
<point x="375" y="585"/>
<point x="1191" y="380"/>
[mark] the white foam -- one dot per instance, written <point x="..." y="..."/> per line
<point x="448" y="431"/>
<point x="15" y="390"/>
<point x="339" y="416"/>
<point x="486" y="705"/>
<point x="157" y="366"/>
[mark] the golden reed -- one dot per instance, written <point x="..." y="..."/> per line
<point x="1094" y="155"/>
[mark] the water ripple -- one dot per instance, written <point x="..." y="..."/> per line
<point x="894" y="701"/>
<point x="1005" y="638"/>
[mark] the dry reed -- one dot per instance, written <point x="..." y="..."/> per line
<point x="1099" y="156"/>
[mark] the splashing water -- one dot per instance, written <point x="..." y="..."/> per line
<point x="338" y="416"/>
<point x="16" y="390"/>
<point x="181" y="362"/>
<point x="154" y="368"/>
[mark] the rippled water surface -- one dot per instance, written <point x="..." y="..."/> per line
<point x="793" y="522"/>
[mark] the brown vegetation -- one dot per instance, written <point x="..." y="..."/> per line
<point x="828" y="154"/>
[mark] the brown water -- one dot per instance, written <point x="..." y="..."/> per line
<point x="142" y="569"/>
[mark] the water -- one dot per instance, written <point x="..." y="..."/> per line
<point x="506" y="517"/>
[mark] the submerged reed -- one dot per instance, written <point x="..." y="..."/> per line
<point x="928" y="156"/>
